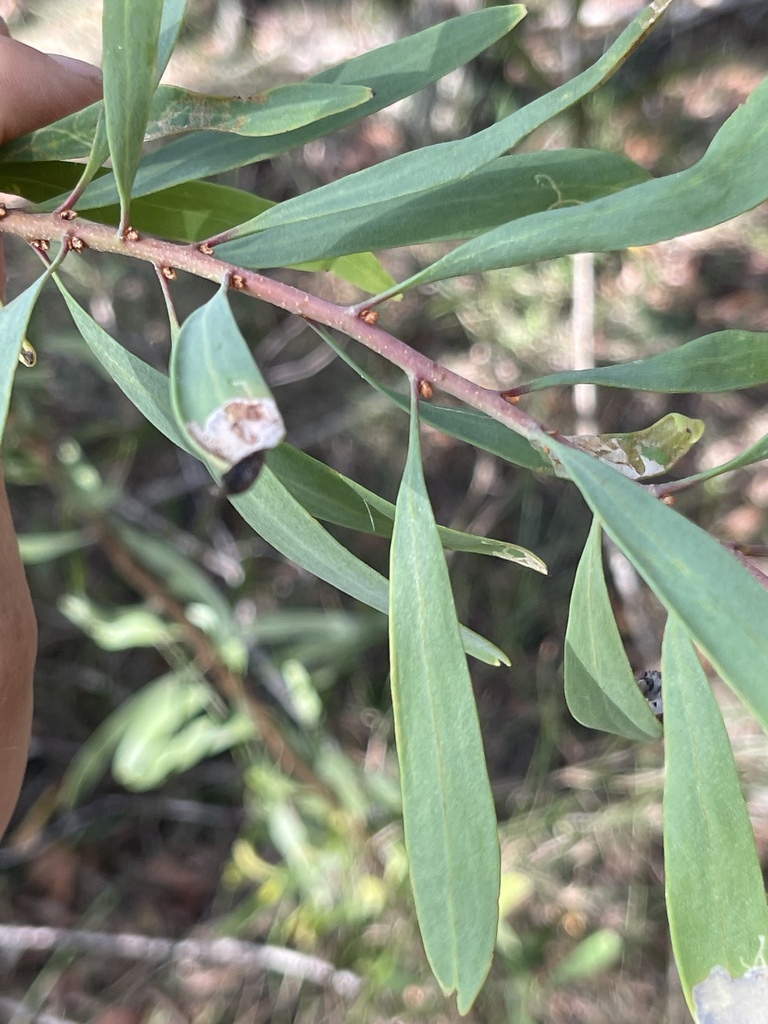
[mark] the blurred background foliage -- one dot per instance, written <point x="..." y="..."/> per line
<point x="218" y="719"/>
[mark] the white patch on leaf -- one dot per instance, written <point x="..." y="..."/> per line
<point x="239" y="428"/>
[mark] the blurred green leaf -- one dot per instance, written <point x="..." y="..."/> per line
<point x="130" y="31"/>
<point x="334" y="498"/>
<point x="43" y="547"/>
<point x="220" y="399"/>
<point x="392" y="72"/>
<point x="448" y="812"/>
<point x="509" y="187"/>
<point x="716" y="189"/>
<point x="599" y="685"/>
<point x="597" y="952"/>
<point x="185" y="581"/>
<point x="723" y="607"/>
<point x="714" y="886"/>
<point x="171" y="729"/>
<point x="643" y="453"/>
<point x="118" y="629"/>
<point x="465" y="424"/>
<point x="723" y="361"/>
<point x="421" y="170"/>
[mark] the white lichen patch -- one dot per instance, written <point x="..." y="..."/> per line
<point x="239" y="428"/>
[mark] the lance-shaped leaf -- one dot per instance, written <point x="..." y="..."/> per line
<point x="714" y="886"/>
<point x="599" y="686"/>
<point x="718" y="188"/>
<point x="433" y="166"/>
<point x="130" y="31"/>
<point x="269" y="507"/>
<point x="330" y="496"/>
<point x="14" y="319"/>
<point x="170" y="26"/>
<point x="642" y="453"/>
<point x="392" y="72"/>
<point x="724" y="361"/>
<point x="448" y="812"/>
<point x="723" y="607"/>
<point x="755" y="453"/>
<point x="508" y="188"/>
<point x="220" y="398"/>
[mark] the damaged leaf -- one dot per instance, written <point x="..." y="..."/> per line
<point x="220" y="399"/>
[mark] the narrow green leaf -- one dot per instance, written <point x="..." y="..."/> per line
<point x="334" y="498"/>
<point x="644" y="453"/>
<point x="718" y="188"/>
<point x="285" y="524"/>
<point x="43" y="547"/>
<point x="14" y="319"/>
<point x="392" y="72"/>
<point x="465" y="424"/>
<point x="755" y="453"/>
<point x="221" y="400"/>
<point x="723" y="607"/>
<point x="433" y="166"/>
<point x="448" y="813"/>
<point x="130" y="30"/>
<point x="724" y="361"/>
<point x="714" y="886"/>
<point x="170" y="26"/>
<point x="269" y="507"/>
<point x="599" y="685"/>
<point x="508" y="188"/>
<point x="146" y="387"/>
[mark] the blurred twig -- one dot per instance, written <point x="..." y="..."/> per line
<point x="228" y="683"/>
<point x="240" y="956"/>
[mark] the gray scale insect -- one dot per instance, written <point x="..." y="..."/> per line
<point x="650" y="687"/>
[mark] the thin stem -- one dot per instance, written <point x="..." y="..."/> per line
<point x="86" y="235"/>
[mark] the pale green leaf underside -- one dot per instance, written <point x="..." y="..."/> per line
<point x="600" y="688"/>
<point x="714" y="886"/>
<point x="448" y="812"/>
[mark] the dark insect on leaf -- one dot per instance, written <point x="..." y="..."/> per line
<point x="650" y="687"/>
<point x="244" y="473"/>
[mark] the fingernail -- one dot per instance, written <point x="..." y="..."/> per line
<point x="78" y="67"/>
